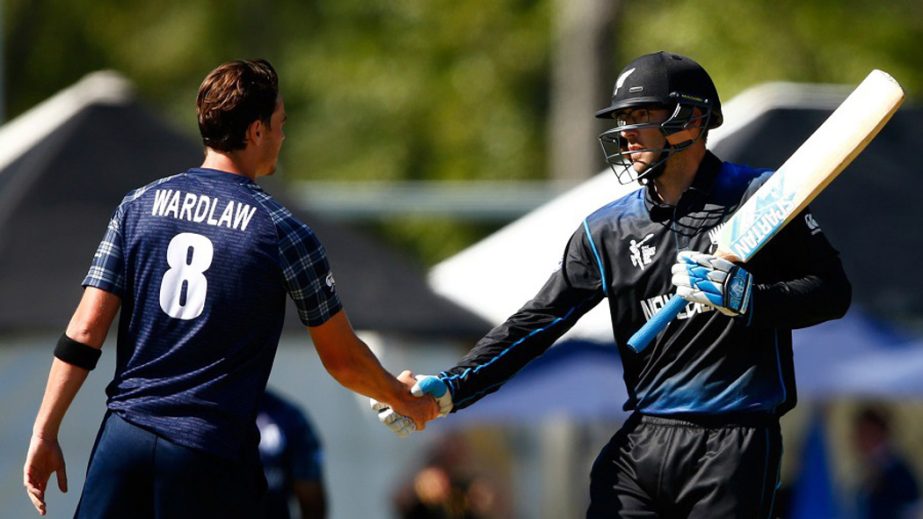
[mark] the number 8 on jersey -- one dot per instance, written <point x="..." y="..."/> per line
<point x="189" y="255"/>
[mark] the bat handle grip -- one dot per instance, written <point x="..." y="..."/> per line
<point x="639" y="341"/>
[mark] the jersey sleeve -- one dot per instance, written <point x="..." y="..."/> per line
<point x="813" y="286"/>
<point x="570" y="292"/>
<point x="107" y="270"/>
<point x="306" y="271"/>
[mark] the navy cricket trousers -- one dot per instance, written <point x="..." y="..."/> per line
<point x="135" y="473"/>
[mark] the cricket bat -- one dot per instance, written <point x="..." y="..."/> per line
<point x="797" y="182"/>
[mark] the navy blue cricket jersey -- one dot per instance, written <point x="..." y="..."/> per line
<point x="202" y="262"/>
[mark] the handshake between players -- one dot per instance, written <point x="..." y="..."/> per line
<point x="420" y="386"/>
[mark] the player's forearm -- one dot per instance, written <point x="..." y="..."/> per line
<point x="64" y="381"/>
<point x="350" y="361"/>
<point x="359" y="370"/>
<point x="569" y="293"/>
<point x="803" y="302"/>
<point x="88" y="326"/>
<point x="525" y="335"/>
<point x="502" y="353"/>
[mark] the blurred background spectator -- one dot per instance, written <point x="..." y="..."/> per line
<point x="448" y="486"/>
<point x="292" y="460"/>
<point x="888" y="488"/>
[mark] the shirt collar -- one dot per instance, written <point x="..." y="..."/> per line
<point x="694" y="195"/>
<point x="219" y="175"/>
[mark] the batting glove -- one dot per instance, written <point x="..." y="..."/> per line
<point x="398" y="423"/>
<point x="435" y="387"/>
<point x="708" y="279"/>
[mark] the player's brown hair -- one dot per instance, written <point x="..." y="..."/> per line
<point x="231" y="97"/>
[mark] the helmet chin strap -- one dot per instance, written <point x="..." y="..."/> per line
<point x="669" y="148"/>
<point x="655" y="170"/>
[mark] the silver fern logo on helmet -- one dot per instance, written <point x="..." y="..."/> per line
<point x="621" y="81"/>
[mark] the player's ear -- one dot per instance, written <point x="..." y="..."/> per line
<point x="684" y="136"/>
<point x="691" y="130"/>
<point x="697" y="120"/>
<point x="255" y="132"/>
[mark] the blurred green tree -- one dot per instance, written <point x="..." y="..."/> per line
<point x="432" y="90"/>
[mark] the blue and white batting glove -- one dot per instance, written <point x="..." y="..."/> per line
<point x="435" y="387"/>
<point x="708" y="279"/>
<point x="398" y="423"/>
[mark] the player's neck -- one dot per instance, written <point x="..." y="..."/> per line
<point x="678" y="175"/>
<point x="229" y="162"/>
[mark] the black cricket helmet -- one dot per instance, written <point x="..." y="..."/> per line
<point x="661" y="80"/>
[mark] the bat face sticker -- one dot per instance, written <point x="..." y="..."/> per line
<point x="759" y="220"/>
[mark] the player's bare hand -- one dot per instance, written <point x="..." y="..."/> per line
<point x="44" y="457"/>
<point x="407" y="378"/>
<point x="420" y="408"/>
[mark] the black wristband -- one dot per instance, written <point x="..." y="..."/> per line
<point x="77" y="353"/>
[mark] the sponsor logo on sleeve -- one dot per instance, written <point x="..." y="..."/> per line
<point x="812" y="224"/>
